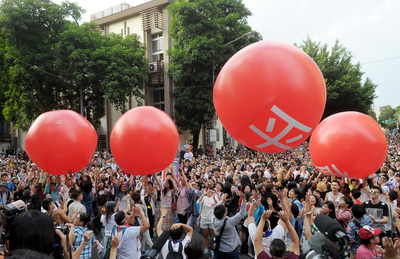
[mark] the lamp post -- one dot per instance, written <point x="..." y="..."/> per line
<point x="247" y="34"/>
<point x="76" y="21"/>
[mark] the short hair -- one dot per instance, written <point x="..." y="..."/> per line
<point x="46" y="203"/>
<point x="356" y="193"/>
<point x="194" y="250"/>
<point x="377" y="188"/>
<point x="348" y="200"/>
<point x="358" y="211"/>
<point x="75" y="194"/>
<point x="277" y="248"/>
<point x="176" y="234"/>
<point x="136" y="197"/>
<point x="32" y="230"/>
<point x="119" y="217"/>
<point x="219" y="211"/>
<point x="393" y="195"/>
<point x="297" y="192"/>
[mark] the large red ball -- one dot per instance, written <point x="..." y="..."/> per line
<point x="144" y="141"/>
<point x="269" y="96"/>
<point x="61" y="141"/>
<point x="348" y="144"/>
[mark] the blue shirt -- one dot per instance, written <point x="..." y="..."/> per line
<point x="352" y="232"/>
<point x="87" y="251"/>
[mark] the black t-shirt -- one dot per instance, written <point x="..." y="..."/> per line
<point x="379" y="211"/>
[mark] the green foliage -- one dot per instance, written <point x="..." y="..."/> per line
<point x="47" y="59"/>
<point x="200" y="29"/>
<point x="345" y="89"/>
<point x="387" y="113"/>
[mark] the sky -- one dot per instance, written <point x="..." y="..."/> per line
<point x="369" y="29"/>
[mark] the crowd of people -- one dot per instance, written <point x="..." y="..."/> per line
<point x="241" y="201"/>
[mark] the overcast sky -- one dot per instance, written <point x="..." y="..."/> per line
<point x="367" y="28"/>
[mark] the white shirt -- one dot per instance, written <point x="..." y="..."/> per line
<point x="175" y="247"/>
<point x="277" y="232"/>
<point x="188" y="155"/>
<point x="128" y="247"/>
<point x="108" y="227"/>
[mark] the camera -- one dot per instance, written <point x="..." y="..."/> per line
<point x="9" y="212"/>
<point x="64" y="229"/>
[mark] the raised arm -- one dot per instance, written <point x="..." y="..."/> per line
<point x="145" y="223"/>
<point x="295" y="247"/>
<point x="163" y="212"/>
<point x="258" y="244"/>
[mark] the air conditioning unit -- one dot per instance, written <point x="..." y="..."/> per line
<point x="152" y="67"/>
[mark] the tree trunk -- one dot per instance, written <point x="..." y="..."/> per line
<point x="195" y="140"/>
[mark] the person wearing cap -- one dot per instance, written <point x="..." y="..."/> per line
<point x="5" y="195"/>
<point x="369" y="238"/>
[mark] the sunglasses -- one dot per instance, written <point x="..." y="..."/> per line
<point x="373" y="192"/>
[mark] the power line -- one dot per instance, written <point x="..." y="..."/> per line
<point x="32" y="66"/>
<point x="381" y="60"/>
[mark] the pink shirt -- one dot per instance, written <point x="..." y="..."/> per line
<point x="183" y="201"/>
<point x="365" y="253"/>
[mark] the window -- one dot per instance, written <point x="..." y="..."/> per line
<point x="157" y="47"/>
<point x="158" y="97"/>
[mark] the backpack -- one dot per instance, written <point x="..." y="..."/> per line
<point x="174" y="254"/>
<point x="108" y="245"/>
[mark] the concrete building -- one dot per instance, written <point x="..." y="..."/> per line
<point x="151" y="22"/>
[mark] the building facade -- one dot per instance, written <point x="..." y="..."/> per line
<point x="151" y="22"/>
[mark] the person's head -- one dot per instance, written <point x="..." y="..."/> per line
<point x="136" y="197"/>
<point x="77" y="195"/>
<point x="111" y="208"/>
<point x="369" y="235"/>
<point x="314" y="201"/>
<point x="374" y="192"/>
<point x="168" y="185"/>
<point x="247" y="189"/>
<point x="335" y="186"/>
<point x="358" y="211"/>
<point x="277" y="248"/>
<point x="48" y="204"/>
<point x="356" y="193"/>
<point x="123" y="219"/>
<point x="3" y="187"/>
<point x="4" y="177"/>
<point x="122" y="187"/>
<point x="294" y="193"/>
<point x="392" y="195"/>
<point x="346" y="202"/>
<point x="176" y="233"/>
<point x="32" y="230"/>
<point x="220" y="211"/>
<point x="82" y="219"/>
<point x="193" y="250"/>
<point x="329" y="209"/>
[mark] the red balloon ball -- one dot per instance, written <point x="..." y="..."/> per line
<point x="349" y="144"/>
<point x="144" y="141"/>
<point x="61" y="141"/>
<point x="269" y="96"/>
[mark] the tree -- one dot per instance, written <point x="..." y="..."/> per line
<point x="345" y="89"/>
<point x="48" y="60"/>
<point x="200" y="30"/>
<point x="386" y="113"/>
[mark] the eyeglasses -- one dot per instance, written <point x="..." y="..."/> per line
<point x="373" y="192"/>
